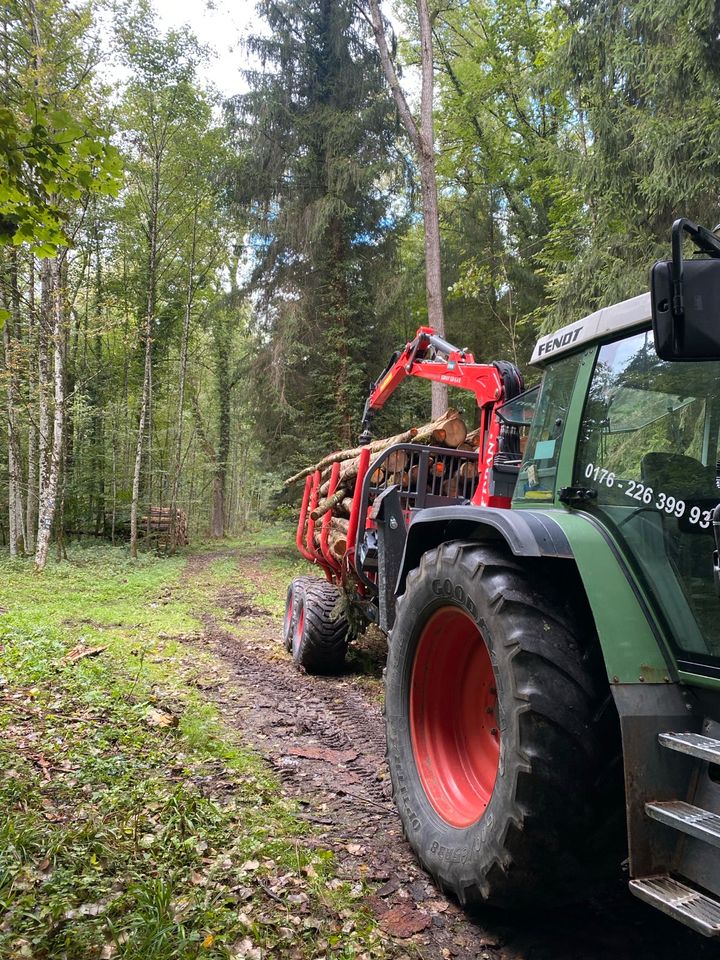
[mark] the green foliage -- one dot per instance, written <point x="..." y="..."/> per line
<point x="124" y="839"/>
<point x="314" y="139"/>
<point x="643" y="81"/>
<point x="53" y="152"/>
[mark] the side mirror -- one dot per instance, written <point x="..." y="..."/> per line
<point x="685" y="299"/>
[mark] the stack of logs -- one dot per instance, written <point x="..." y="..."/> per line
<point x="158" y="524"/>
<point x="447" y="431"/>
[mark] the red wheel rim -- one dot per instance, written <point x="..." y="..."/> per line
<point x="298" y="632"/>
<point x="453" y="717"/>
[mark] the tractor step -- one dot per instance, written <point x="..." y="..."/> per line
<point x="683" y="903"/>
<point x="693" y="744"/>
<point x="687" y="818"/>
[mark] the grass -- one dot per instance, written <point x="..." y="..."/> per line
<point x="132" y="823"/>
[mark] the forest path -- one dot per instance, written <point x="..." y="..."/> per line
<point x="325" y="739"/>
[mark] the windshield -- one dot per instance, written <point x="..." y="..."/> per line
<point x="649" y="448"/>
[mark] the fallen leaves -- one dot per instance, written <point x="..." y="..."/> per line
<point x="160" y="718"/>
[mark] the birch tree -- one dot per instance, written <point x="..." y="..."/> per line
<point x="51" y="472"/>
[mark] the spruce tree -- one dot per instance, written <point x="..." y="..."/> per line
<point x="644" y="78"/>
<point x="315" y="140"/>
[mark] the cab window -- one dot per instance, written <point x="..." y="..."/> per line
<point x="536" y="481"/>
<point x="649" y="450"/>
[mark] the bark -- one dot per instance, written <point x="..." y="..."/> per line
<point x="327" y="505"/>
<point x="223" y="453"/>
<point x="48" y="493"/>
<point x="16" y="520"/>
<point x="147" y="334"/>
<point x="44" y="335"/>
<point x="31" y="489"/>
<point x="177" y="462"/>
<point x="338" y="456"/>
<point x="422" y="136"/>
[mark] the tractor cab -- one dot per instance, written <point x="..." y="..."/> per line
<point x="624" y="456"/>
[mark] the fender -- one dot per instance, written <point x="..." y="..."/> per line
<point x="528" y="533"/>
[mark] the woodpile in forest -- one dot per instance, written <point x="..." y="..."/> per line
<point x="399" y="467"/>
<point x="159" y="522"/>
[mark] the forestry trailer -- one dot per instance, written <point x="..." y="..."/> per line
<point x="551" y="599"/>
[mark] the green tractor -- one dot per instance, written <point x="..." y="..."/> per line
<point x="553" y="678"/>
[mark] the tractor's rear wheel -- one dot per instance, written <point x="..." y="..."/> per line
<point x="501" y="732"/>
<point x="320" y="633"/>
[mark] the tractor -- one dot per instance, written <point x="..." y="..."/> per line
<point x="552" y="689"/>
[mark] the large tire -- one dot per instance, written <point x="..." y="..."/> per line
<point x="291" y="605"/>
<point x="320" y="635"/>
<point x="501" y="732"/>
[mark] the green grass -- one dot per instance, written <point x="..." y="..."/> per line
<point x="121" y="838"/>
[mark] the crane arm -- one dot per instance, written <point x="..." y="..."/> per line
<point x="431" y="357"/>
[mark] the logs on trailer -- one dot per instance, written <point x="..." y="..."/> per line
<point x="159" y="522"/>
<point x="398" y="467"/>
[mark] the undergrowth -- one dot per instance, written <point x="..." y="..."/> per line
<point x="133" y="824"/>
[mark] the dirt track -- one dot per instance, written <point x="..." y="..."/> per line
<point x="325" y="739"/>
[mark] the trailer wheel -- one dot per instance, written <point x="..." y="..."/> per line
<point x="320" y="634"/>
<point x="291" y="603"/>
<point x="501" y="732"/>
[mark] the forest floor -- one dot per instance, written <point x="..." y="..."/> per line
<point x="172" y="787"/>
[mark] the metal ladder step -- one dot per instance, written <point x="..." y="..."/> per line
<point x="693" y="744"/>
<point x="687" y="819"/>
<point x="680" y="902"/>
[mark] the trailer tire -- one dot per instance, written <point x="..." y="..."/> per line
<point x="320" y="634"/>
<point x="506" y="797"/>
<point x="291" y="603"/>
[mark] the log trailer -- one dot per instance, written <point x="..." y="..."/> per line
<point x="552" y="691"/>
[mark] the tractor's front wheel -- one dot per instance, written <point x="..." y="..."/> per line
<point x="500" y="731"/>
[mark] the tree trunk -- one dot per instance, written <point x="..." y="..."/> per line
<point x="177" y="463"/>
<point x="16" y="520"/>
<point x="44" y="332"/>
<point x="148" y="330"/>
<point x="223" y="450"/>
<point x="217" y="528"/>
<point x="31" y="489"/>
<point x="423" y="139"/>
<point x="48" y="493"/>
<point x="144" y="403"/>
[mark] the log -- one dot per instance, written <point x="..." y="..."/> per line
<point x="337" y="537"/>
<point x="468" y="468"/>
<point x="473" y="438"/>
<point x="401" y="478"/>
<point x="327" y="505"/>
<point x="396" y="461"/>
<point x="375" y="447"/>
<point x="377" y="476"/>
<point x="450" y="430"/>
<point x="425" y="433"/>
